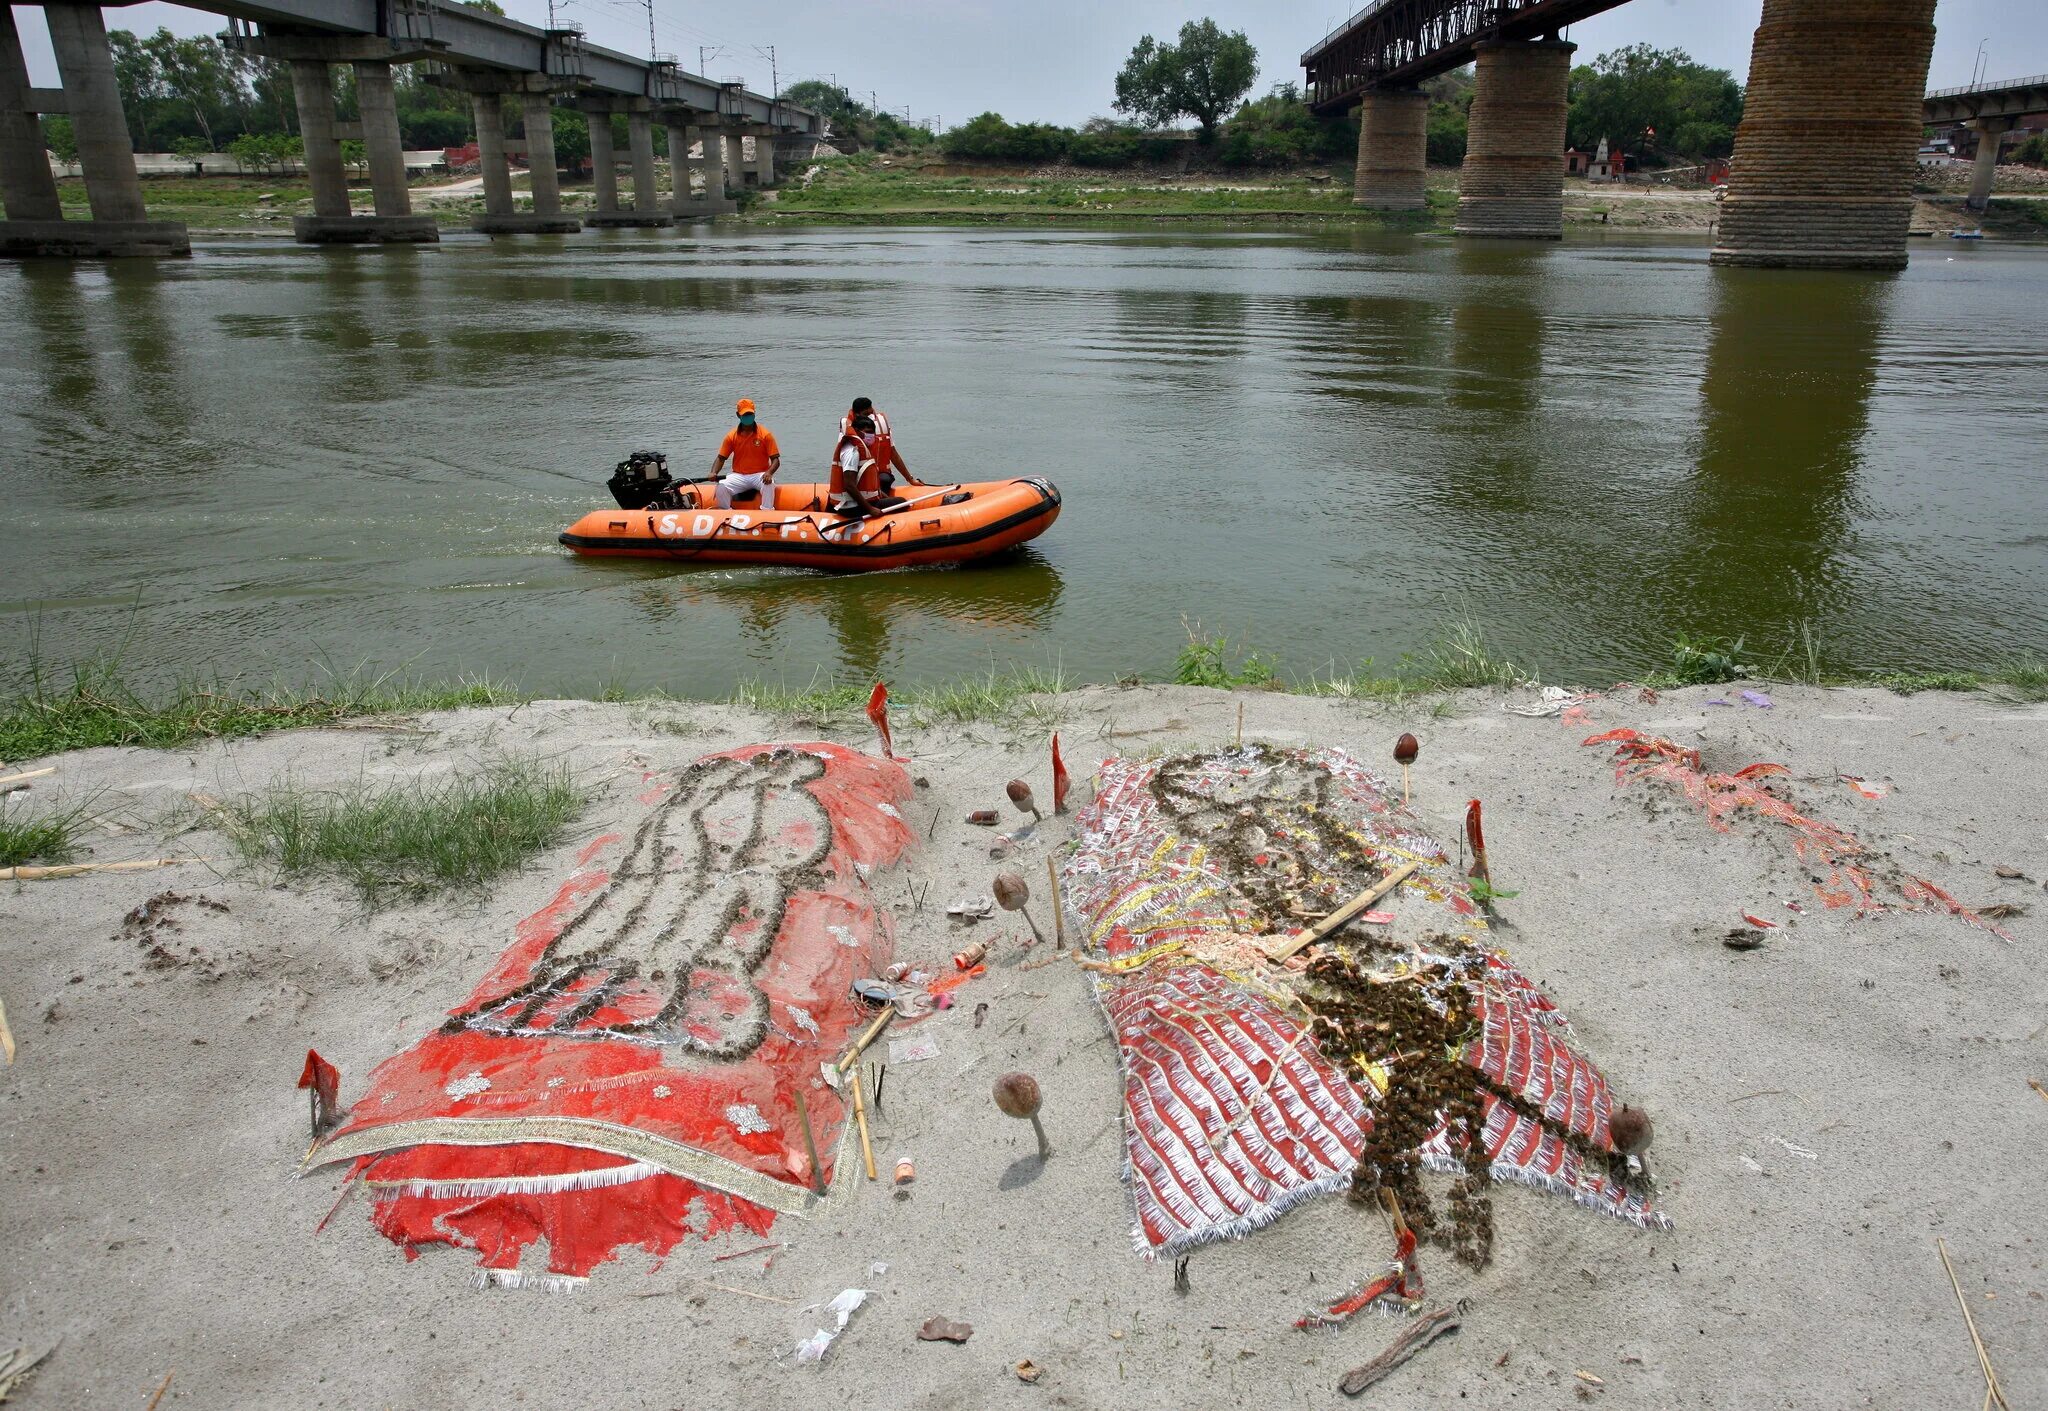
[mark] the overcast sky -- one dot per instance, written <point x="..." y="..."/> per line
<point x="1056" y="60"/>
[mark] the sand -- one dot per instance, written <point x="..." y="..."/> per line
<point x="1826" y="1106"/>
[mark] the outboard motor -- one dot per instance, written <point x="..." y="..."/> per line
<point x="642" y="481"/>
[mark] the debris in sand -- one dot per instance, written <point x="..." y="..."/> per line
<point x="1552" y="700"/>
<point x="1865" y="787"/>
<point x="1743" y="938"/>
<point x="1351" y="911"/>
<point x="944" y="1330"/>
<point x="984" y="818"/>
<point x="7" y="1034"/>
<point x="1060" y="782"/>
<point x="1028" y="1371"/>
<point x="2003" y="910"/>
<point x="842" y="1308"/>
<point x="17" y="1367"/>
<point x="1757" y="921"/>
<point x="1756" y="698"/>
<point x="906" y="1170"/>
<point x="21" y="781"/>
<point x="1849" y="872"/>
<point x="972" y="956"/>
<point x="915" y="1049"/>
<point x="1424" y="1331"/>
<point x="2010" y="874"/>
<point x="974" y="908"/>
<point x="79" y="869"/>
<point x="1992" y="1391"/>
<point x="162" y="1387"/>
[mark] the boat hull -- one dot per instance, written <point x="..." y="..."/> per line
<point x="800" y="533"/>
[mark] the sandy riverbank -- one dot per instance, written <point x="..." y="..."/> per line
<point x="1826" y="1105"/>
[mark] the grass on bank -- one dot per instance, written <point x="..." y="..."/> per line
<point x="995" y="695"/>
<point x="98" y="707"/>
<point x="30" y="837"/>
<point x="410" y="840"/>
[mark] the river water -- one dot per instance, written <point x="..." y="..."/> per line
<point x="269" y="460"/>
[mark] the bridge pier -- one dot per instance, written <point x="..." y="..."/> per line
<point x="1512" y="184"/>
<point x="35" y="223"/>
<point x="604" y="167"/>
<point x="312" y="58"/>
<point x="687" y="130"/>
<point x="763" y="166"/>
<point x="640" y="147"/>
<point x="487" y="91"/>
<point x="1824" y="158"/>
<point x="1989" y="130"/>
<point x="1393" y="149"/>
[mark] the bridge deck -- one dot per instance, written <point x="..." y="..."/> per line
<point x="478" y="39"/>
<point x="1398" y="43"/>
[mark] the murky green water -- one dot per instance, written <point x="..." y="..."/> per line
<point x="1321" y="442"/>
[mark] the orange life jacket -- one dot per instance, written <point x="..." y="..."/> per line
<point x="883" y="442"/>
<point x="870" y="479"/>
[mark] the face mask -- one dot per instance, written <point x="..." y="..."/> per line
<point x="747" y="422"/>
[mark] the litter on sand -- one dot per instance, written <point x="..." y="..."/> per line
<point x="841" y="1308"/>
<point x="975" y="908"/>
<point x="945" y="1330"/>
<point x="1756" y="698"/>
<point x="915" y="1049"/>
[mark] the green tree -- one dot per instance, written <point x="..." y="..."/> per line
<point x="990" y="138"/>
<point x="1278" y="130"/>
<point x="1640" y="98"/>
<point x="59" y="138"/>
<point x="200" y="76"/>
<point x="1203" y="76"/>
<point x="1450" y="109"/>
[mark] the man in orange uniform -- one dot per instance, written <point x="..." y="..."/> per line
<point x="857" y="485"/>
<point x="886" y="454"/>
<point x="755" y="459"/>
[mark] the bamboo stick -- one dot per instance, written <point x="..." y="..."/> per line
<point x="6" y="1035"/>
<point x="852" y="1055"/>
<point x="1344" y="914"/>
<point x="803" y="1117"/>
<point x="79" y="869"/>
<point x="860" y="1116"/>
<point x="1059" y="910"/>
<point x="1992" y="1391"/>
<point x="16" y="781"/>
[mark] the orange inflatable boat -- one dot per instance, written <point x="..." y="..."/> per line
<point x="936" y="524"/>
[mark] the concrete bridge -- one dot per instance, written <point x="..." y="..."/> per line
<point x="1992" y="109"/>
<point x="483" y="55"/>
<point x="1824" y="159"/>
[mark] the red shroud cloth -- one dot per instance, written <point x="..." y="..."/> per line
<point x="642" y="1040"/>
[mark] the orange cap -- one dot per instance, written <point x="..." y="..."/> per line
<point x="746" y="405"/>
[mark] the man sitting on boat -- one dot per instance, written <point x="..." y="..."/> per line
<point x="887" y="455"/>
<point x="755" y="459"/>
<point x="857" y="486"/>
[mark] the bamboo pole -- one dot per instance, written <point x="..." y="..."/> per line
<point x="803" y="1117"/>
<point x="852" y="1055"/>
<point x="79" y="869"/>
<point x="16" y="781"/>
<point x="1059" y="910"/>
<point x="1992" y="1391"/>
<point x="1343" y="915"/>
<point x="860" y="1116"/>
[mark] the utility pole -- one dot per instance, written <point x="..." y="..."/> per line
<point x="651" y="46"/>
<point x="774" y="78"/>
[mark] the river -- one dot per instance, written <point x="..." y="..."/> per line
<point x="269" y="461"/>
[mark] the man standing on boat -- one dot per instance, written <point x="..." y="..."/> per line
<point x="755" y="459"/>
<point x="886" y="453"/>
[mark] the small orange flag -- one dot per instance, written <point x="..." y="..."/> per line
<point x="878" y="712"/>
<point x="1059" y="777"/>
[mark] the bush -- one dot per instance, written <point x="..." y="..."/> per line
<point x="1278" y="130"/>
<point x="1446" y="137"/>
<point x="991" y="138"/>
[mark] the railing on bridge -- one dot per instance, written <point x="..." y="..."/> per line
<point x="2039" y="80"/>
<point x="1402" y="42"/>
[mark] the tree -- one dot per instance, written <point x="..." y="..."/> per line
<point x="202" y="76"/>
<point x="1202" y="77"/>
<point x="59" y="138"/>
<point x="1278" y="130"/>
<point x="1628" y="94"/>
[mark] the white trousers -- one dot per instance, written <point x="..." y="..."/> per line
<point x="733" y="485"/>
